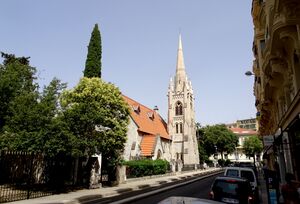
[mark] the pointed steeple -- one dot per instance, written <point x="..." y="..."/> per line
<point x="180" y="68"/>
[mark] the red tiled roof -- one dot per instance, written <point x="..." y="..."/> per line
<point x="242" y="131"/>
<point x="147" y="120"/>
<point x="147" y="145"/>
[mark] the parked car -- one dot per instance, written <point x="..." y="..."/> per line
<point x="244" y="172"/>
<point x="250" y="165"/>
<point x="231" y="190"/>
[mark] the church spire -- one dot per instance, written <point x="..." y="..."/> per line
<point x="180" y="68"/>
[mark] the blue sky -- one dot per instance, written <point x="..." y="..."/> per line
<point x="139" y="47"/>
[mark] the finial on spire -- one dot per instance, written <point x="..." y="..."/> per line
<point x="180" y="43"/>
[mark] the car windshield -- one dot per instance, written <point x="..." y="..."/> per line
<point x="248" y="175"/>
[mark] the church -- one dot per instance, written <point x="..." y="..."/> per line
<point x="149" y="136"/>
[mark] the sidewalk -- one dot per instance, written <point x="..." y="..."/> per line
<point x="263" y="194"/>
<point x="79" y="196"/>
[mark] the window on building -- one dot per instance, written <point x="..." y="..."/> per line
<point x="178" y="155"/>
<point x="178" y="108"/>
<point x="262" y="45"/>
<point x="181" y="128"/>
<point x="176" y="127"/>
<point x="151" y="115"/>
<point x="136" y="108"/>
<point x="133" y="146"/>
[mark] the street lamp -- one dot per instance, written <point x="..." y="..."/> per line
<point x="216" y="155"/>
<point x="249" y="73"/>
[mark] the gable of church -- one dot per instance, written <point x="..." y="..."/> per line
<point x="150" y="128"/>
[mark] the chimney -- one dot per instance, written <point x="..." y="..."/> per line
<point x="155" y="109"/>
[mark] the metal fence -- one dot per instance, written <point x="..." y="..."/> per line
<point x="26" y="175"/>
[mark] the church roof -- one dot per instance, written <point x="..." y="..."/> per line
<point x="243" y="131"/>
<point x="148" y="145"/>
<point x="147" y="120"/>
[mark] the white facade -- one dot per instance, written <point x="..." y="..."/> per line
<point x="132" y="147"/>
<point x="162" y="149"/>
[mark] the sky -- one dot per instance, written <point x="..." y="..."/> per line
<point x="139" y="48"/>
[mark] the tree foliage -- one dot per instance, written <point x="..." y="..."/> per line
<point x="91" y="118"/>
<point x="97" y="116"/>
<point x="218" y="139"/>
<point x="203" y="156"/>
<point x="10" y="58"/>
<point x="28" y="117"/>
<point x="16" y="78"/>
<point x="252" y="146"/>
<point x="30" y="125"/>
<point x="93" y="61"/>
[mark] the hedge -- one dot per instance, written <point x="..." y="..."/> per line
<point x="146" y="167"/>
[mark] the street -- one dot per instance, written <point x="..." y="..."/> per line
<point x="199" y="189"/>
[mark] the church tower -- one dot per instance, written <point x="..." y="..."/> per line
<point x="181" y="115"/>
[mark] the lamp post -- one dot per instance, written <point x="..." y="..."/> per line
<point x="216" y="155"/>
<point x="236" y="154"/>
<point x="249" y="73"/>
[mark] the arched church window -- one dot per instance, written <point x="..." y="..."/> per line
<point x="176" y="127"/>
<point x="181" y="128"/>
<point x="178" y="108"/>
<point x="159" y="154"/>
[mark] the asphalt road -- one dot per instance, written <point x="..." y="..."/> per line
<point x="198" y="189"/>
<point x="191" y="187"/>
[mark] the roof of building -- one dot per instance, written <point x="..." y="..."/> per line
<point x="148" y="145"/>
<point x="150" y="123"/>
<point x="243" y="131"/>
<point x="147" y="120"/>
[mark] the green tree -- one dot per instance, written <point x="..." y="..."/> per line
<point x="252" y="146"/>
<point x="218" y="138"/>
<point x="203" y="156"/>
<point x="55" y="135"/>
<point x="93" y="61"/>
<point x="33" y="122"/>
<point x="29" y="120"/>
<point x="16" y="78"/>
<point x="98" y="118"/>
<point x="18" y="98"/>
<point x="22" y="122"/>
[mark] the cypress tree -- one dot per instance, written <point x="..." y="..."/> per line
<point x="93" y="61"/>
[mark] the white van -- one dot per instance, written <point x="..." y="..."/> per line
<point x="243" y="172"/>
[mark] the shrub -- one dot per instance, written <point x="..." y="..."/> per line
<point x="146" y="167"/>
<point x="221" y="162"/>
<point x="227" y="162"/>
<point x="209" y="162"/>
